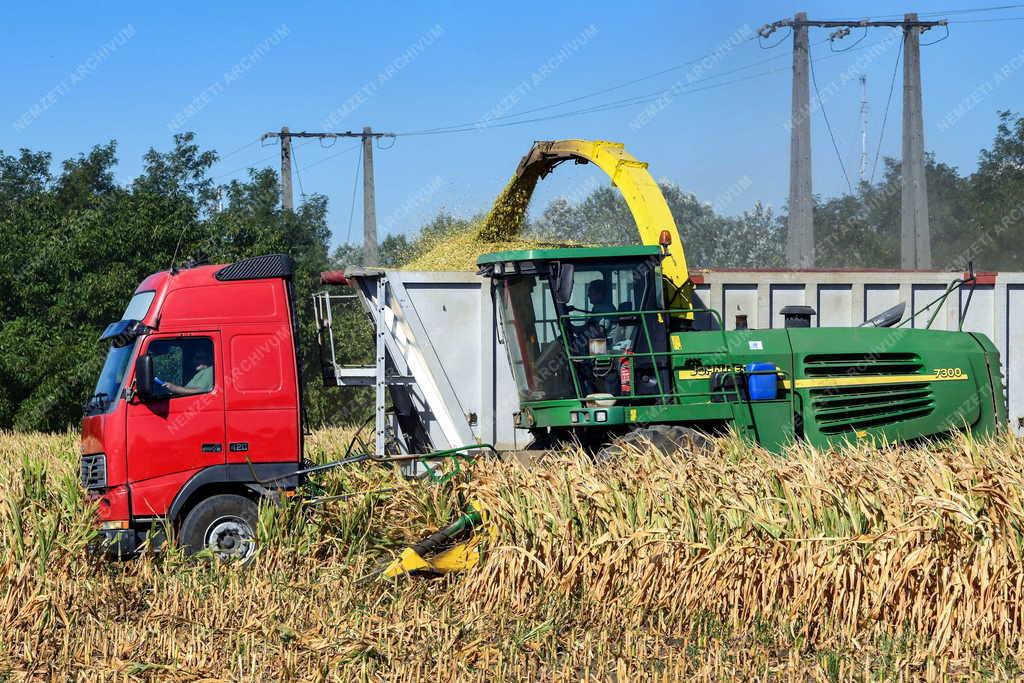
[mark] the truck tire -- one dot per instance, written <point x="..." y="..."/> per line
<point x="666" y="439"/>
<point x="224" y="524"/>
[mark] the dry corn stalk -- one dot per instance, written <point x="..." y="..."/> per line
<point x="818" y="565"/>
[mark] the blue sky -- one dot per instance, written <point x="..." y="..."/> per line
<point x="83" y="74"/>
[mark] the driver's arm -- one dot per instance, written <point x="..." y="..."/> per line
<point x="177" y="389"/>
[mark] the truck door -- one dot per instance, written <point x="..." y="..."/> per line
<point x="261" y="396"/>
<point x="175" y="434"/>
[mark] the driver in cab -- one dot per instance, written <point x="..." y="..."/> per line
<point x="600" y="301"/>
<point x="201" y="382"/>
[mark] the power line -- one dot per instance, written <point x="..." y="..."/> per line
<point x="273" y="156"/>
<point x="613" y="88"/>
<point x="971" y="10"/>
<point x="985" y="21"/>
<point x="834" y="36"/>
<point x="646" y="98"/>
<point x="885" y="116"/>
<point x="608" y="106"/>
<point x="332" y="156"/>
<point x="963" y="10"/>
<point x="828" y="126"/>
<point x="355" y="186"/>
<point x="298" y="174"/>
<point x="761" y="44"/>
<point x="935" y="42"/>
<point x="239" y="149"/>
<point x="244" y="168"/>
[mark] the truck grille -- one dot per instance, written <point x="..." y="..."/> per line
<point x="851" y="408"/>
<point x="94" y="471"/>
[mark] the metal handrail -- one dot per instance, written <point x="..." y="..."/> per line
<point x="662" y="394"/>
<point x="940" y="300"/>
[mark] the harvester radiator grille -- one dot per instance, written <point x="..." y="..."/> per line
<point x="841" y="409"/>
<point x="94" y="471"/>
<point x="861" y="364"/>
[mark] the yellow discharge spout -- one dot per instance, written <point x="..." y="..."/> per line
<point x="642" y="195"/>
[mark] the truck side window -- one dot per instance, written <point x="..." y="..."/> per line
<point x="183" y="367"/>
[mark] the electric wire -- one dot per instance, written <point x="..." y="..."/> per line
<point x="971" y="10"/>
<point x="608" y="106"/>
<point x="239" y="149"/>
<point x="243" y="168"/>
<point x="355" y="185"/>
<point x="959" y="11"/>
<point x="857" y="42"/>
<point x="333" y="156"/>
<point x="298" y="174"/>
<point x="828" y="125"/>
<point x="985" y="21"/>
<point x="760" y="40"/>
<point x="463" y="127"/>
<point x="609" y="89"/>
<point x="936" y="42"/>
<point x="506" y="121"/>
<point x="885" y="116"/>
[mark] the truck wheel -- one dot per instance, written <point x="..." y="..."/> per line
<point x="666" y="439"/>
<point x="225" y="524"/>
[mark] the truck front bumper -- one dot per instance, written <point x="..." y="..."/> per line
<point x="117" y="544"/>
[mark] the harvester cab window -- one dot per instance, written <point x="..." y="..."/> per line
<point x="604" y="331"/>
<point x="182" y="367"/>
<point x="596" y="319"/>
<point x="533" y="339"/>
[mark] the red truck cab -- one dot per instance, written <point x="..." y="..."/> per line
<point x="197" y="412"/>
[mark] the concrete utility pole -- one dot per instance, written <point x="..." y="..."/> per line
<point x="369" y="203"/>
<point x="370" y="257"/>
<point x="915" y="234"/>
<point x="915" y="243"/>
<point x="286" y="169"/>
<point x="800" y="236"/>
<point x="863" y="171"/>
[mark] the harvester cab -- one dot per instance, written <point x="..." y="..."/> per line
<point x="583" y="305"/>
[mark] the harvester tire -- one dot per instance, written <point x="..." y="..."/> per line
<point x="666" y="439"/>
<point x="224" y="524"/>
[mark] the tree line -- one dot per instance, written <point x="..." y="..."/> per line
<point x="74" y="244"/>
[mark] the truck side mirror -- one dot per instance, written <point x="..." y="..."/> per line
<point x="144" y="377"/>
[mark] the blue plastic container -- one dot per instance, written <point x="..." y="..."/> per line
<point x="762" y="382"/>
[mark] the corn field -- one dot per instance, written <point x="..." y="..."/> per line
<point x="862" y="564"/>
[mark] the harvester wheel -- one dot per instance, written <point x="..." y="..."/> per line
<point x="224" y="524"/>
<point x="666" y="439"/>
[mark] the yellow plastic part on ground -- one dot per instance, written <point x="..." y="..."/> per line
<point x="459" y="557"/>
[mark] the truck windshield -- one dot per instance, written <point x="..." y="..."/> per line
<point x="111" y="377"/>
<point x="537" y="339"/>
<point x="118" y="355"/>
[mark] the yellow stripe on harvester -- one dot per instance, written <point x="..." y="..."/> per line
<point x="819" y="382"/>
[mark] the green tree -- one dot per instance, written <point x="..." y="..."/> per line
<point x="710" y="241"/>
<point x="77" y="244"/>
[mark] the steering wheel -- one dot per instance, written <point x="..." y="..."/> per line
<point x="579" y="323"/>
